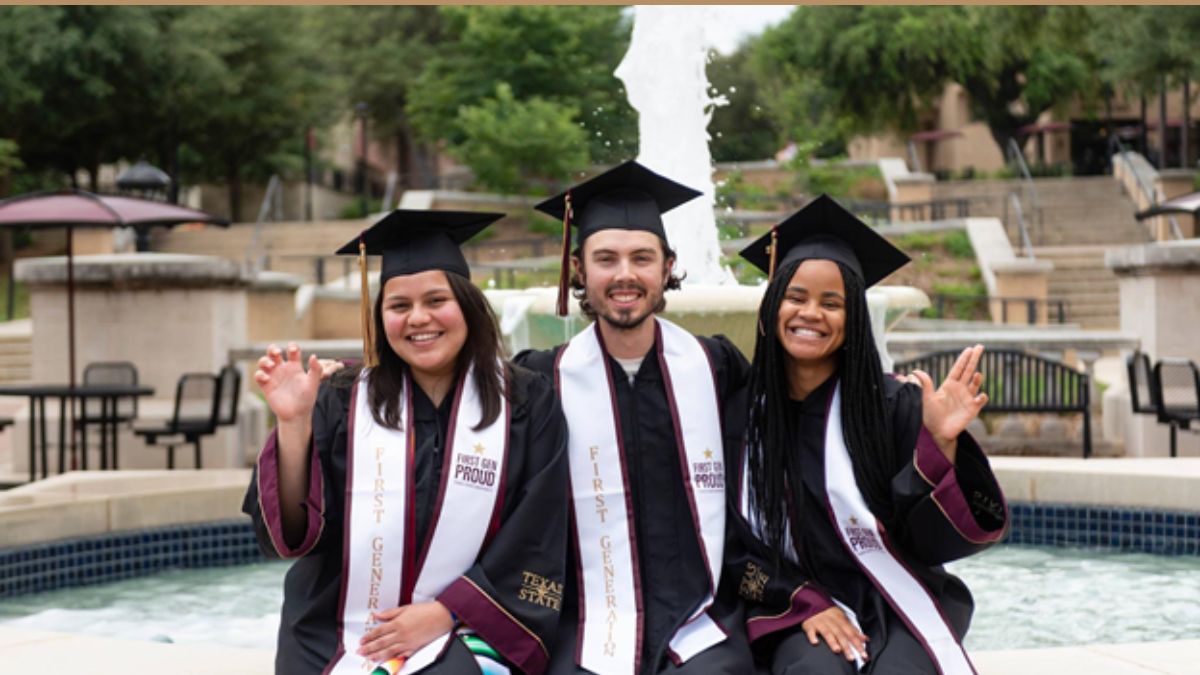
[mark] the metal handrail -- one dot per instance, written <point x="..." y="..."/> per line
<point x="1148" y="192"/>
<point x="1018" y="157"/>
<point x="393" y="179"/>
<point x="272" y="197"/>
<point x="1115" y="143"/>
<point x="1026" y="244"/>
<point x="913" y="157"/>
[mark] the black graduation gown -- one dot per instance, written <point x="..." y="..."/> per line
<point x="674" y="579"/>
<point x="530" y="540"/>
<point x="944" y="513"/>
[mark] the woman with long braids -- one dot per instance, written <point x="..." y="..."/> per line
<point x="424" y="495"/>
<point x="857" y="486"/>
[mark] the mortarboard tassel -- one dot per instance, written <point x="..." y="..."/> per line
<point x="365" y="308"/>
<point x="564" y="269"/>
<point x="772" y="248"/>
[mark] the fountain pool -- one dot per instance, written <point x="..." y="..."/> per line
<point x="1026" y="597"/>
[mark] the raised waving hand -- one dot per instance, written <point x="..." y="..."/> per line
<point x="290" y="389"/>
<point x="948" y="409"/>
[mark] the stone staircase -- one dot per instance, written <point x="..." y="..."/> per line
<point x="16" y="351"/>
<point x="1080" y="218"/>
<point x="1089" y="288"/>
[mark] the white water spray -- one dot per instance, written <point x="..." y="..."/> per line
<point x="665" y="80"/>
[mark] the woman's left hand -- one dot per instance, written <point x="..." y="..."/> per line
<point x="404" y="630"/>
<point x="948" y="410"/>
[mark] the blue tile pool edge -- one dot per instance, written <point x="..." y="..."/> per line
<point x="114" y="556"/>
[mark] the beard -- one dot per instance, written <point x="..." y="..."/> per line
<point x="628" y="319"/>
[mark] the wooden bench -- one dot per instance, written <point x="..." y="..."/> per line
<point x="1018" y="382"/>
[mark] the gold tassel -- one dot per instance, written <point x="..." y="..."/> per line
<point x="564" y="269"/>
<point x="365" y="308"/>
<point x="771" y="249"/>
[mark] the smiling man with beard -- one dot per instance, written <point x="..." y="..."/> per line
<point x="650" y="441"/>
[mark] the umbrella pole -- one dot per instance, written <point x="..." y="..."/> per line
<point x="71" y="336"/>
<point x="12" y="263"/>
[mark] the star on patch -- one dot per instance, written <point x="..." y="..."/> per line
<point x="853" y="520"/>
<point x="479" y="448"/>
<point x="707" y="453"/>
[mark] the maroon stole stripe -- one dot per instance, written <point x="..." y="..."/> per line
<point x="685" y="469"/>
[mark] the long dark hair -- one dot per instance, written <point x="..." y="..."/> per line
<point x="482" y="349"/>
<point x="776" y="490"/>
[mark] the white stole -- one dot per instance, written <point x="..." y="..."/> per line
<point x="379" y="549"/>
<point x="610" y="602"/>
<point x="864" y="539"/>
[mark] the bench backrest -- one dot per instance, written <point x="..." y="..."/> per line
<point x="1014" y="381"/>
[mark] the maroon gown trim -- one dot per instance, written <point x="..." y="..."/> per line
<point x="497" y="626"/>
<point x="935" y="468"/>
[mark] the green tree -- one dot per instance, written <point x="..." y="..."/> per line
<point x="10" y="161"/>
<point x="379" y="69"/>
<point x="883" y="67"/>
<point x="512" y="144"/>
<point x="70" y="87"/>
<point x="565" y="55"/>
<point x="269" y="86"/>
<point x="1148" y="48"/>
<point x="742" y="129"/>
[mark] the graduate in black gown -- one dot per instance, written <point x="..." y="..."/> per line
<point x="859" y="485"/>
<point x="636" y="391"/>
<point x="423" y="497"/>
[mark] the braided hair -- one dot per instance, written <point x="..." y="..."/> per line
<point x="776" y="490"/>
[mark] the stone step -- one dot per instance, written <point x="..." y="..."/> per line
<point x="1082" y="275"/>
<point x="1072" y="289"/>
<point x="1064" y="239"/>
<point x="1082" y="223"/>
<point x="1073" y="263"/>
<point x="15" y="347"/>
<point x="1088" y="297"/>
<point x="1093" y="311"/>
<point x="1093" y="302"/>
<point x="1110" y="315"/>
<point x="1080" y="261"/>
<point x="1097" y="238"/>
<point x="15" y="373"/>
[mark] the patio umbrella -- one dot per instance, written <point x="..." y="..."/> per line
<point x="78" y="208"/>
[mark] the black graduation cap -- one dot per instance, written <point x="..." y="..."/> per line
<point x="413" y="241"/>
<point x="627" y="197"/>
<point x="824" y="229"/>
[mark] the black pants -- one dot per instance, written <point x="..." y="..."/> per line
<point x="900" y="655"/>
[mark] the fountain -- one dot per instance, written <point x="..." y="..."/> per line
<point x="665" y="79"/>
<point x="664" y="75"/>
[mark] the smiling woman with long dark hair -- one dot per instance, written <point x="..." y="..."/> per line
<point x="422" y="494"/>
<point x="857" y="485"/>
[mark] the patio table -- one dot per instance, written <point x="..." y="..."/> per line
<point x="109" y="395"/>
